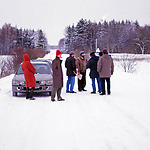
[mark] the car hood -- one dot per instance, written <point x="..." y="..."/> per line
<point x="38" y="77"/>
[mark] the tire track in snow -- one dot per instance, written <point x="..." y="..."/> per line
<point x="102" y="125"/>
<point x="131" y="133"/>
<point x="130" y="117"/>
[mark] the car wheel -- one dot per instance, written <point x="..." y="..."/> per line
<point x="15" y="94"/>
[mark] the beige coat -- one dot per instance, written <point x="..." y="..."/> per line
<point x="81" y="64"/>
<point x="105" y="66"/>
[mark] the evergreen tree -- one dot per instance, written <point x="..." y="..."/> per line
<point x="68" y="39"/>
<point x="12" y="38"/>
<point x="42" y="41"/>
<point x="19" y="38"/>
<point x="8" y="38"/>
<point x="82" y="35"/>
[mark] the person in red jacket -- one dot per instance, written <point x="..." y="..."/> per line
<point x="29" y="71"/>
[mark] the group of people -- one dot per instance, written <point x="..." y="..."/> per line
<point x="101" y="68"/>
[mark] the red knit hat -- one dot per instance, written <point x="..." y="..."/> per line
<point x="58" y="52"/>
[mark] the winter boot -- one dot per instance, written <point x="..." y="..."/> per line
<point x="53" y="100"/>
<point x="32" y="98"/>
<point x="61" y="99"/>
<point x="27" y="96"/>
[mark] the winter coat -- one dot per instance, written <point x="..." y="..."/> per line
<point x="92" y="64"/>
<point x="105" y="66"/>
<point x="57" y="73"/>
<point x="29" y="71"/>
<point x="71" y="66"/>
<point x="81" y="64"/>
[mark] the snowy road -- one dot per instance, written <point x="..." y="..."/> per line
<point x="83" y="122"/>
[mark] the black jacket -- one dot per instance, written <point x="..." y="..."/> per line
<point x="92" y="65"/>
<point x="70" y="65"/>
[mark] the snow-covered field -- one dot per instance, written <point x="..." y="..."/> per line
<point x="83" y="121"/>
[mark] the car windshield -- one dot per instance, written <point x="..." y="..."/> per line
<point x="40" y="68"/>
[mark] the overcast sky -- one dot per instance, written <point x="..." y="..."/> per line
<point x="53" y="16"/>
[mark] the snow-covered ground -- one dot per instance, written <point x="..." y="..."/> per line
<point x="83" y="121"/>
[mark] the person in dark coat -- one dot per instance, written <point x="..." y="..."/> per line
<point x="105" y="67"/>
<point x="92" y="65"/>
<point x="29" y="71"/>
<point x="71" y="73"/>
<point x="57" y="77"/>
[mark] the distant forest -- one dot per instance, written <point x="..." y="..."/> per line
<point x="12" y="38"/>
<point x="116" y="36"/>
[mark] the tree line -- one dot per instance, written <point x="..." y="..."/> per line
<point x="11" y="38"/>
<point x="16" y="42"/>
<point x="116" y="36"/>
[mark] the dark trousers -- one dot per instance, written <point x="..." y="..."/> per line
<point x="54" y="91"/>
<point x="103" y="85"/>
<point x="82" y="82"/>
<point x="29" y="92"/>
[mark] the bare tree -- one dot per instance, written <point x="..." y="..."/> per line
<point x="128" y="63"/>
<point x="142" y="44"/>
<point x="7" y="67"/>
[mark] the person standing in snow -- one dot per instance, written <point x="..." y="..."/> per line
<point x="105" y="67"/>
<point x="57" y="77"/>
<point x="92" y="65"/>
<point x="71" y="72"/>
<point x="81" y="69"/>
<point x="100" y="54"/>
<point x="29" y="71"/>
